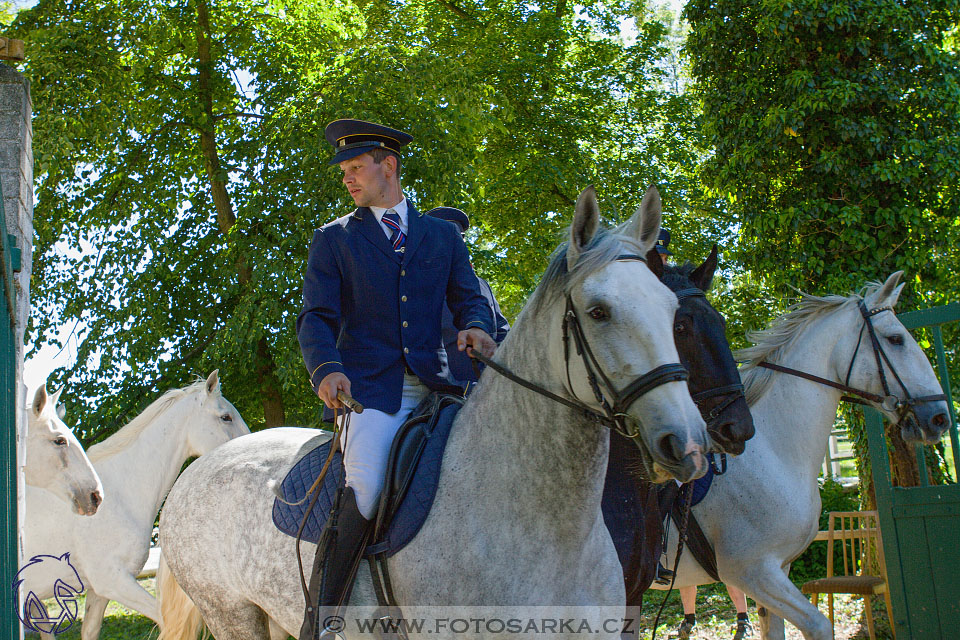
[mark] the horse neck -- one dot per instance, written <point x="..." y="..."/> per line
<point x="145" y="471"/>
<point x="521" y="451"/>
<point x="798" y="414"/>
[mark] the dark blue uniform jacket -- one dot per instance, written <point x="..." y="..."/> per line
<point x="460" y="363"/>
<point x="369" y="311"/>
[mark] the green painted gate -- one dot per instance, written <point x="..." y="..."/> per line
<point x="921" y="525"/>
<point x="10" y="259"/>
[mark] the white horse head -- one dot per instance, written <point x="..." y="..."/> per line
<point x="626" y="315"/>
<point x="55" y="459"/>
<point x="216" y="420"/>
<point x="903" y="364"/>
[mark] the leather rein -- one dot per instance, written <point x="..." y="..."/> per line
<point x="613" y="403"/>
<point x="889" y="401"/>
<point x="613" y="414"/>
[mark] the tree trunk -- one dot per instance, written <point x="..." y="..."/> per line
<point x="271" y="397"/>
<point x="904" y="471"/>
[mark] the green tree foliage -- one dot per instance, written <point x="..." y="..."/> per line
<point x="182" y="168"/>
<point x="833" y="138"/>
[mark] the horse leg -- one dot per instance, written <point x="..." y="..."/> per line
<point x="237" y="621"/>
<point x="766" y="582"/>
<point x="93" y="610"/>
<point x="127" y="591"/>
<point x="771" y="625"/>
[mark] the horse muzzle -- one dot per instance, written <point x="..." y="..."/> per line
<point x="673" y="458"/>
<point x="86" y="503"/>
<point x="730" y="430"/>
<point x="925" y="423"/>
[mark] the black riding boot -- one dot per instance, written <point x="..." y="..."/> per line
<point x="338" y="555"/>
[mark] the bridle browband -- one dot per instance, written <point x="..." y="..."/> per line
<point x="889" y="402"/>
<point x="613" y="403"/>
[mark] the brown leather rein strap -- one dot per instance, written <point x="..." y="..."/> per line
<point x="866" y="395"/>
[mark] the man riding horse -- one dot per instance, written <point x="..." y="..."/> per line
<point x="373" y="295"/>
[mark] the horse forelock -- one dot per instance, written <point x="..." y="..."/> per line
<point x="770" y="343"/>
<point x="127" y="434"/>
<point x="558" y="280"/>
<point x="678" y="276"/>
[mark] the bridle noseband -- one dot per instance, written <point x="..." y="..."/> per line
<point x="889" y="402"/>
<point x="613" y="403"/>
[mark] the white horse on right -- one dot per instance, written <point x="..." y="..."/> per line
<point x="764" y="511"/>
<point x="56" y="460"/>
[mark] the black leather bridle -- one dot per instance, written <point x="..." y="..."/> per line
<point x="889" y="402"/>
<point x="613" y="403"/>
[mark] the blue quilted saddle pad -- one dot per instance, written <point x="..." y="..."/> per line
<point x="407" y="519"/>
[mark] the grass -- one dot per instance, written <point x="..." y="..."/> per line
<point x="119" y="623"/>
<point x="715" y="618"/>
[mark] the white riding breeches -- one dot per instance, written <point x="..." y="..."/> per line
<point x="367" y="447"/>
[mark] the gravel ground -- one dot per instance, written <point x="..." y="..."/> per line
<point x="716" y="617"/>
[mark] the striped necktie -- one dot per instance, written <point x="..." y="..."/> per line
<point x="392" y="219"/>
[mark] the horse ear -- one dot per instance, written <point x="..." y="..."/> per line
<point x="40" y="400"/>
<point x="55" y="397"/>
<point x="888" y="294"/>
<point x="702" y="276"/>
<point x="213" y="382"/>
<point x="645" y="223"/>
<point x="65" y="556"/>
<point x="655" y="262"/>
<point x="586" y="220"/>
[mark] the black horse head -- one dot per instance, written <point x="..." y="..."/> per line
<point x="699" y="331"/>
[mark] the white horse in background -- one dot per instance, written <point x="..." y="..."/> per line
<point x="516" y="520"/>
<point x="764" y="511"/>
<point x="55" y="460"/>
<point x="138" y="465"/>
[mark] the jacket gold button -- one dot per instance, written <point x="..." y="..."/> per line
<point x="404" y="323"/>
<point x="403" y="298"/>
<point x="406" y="350"/>
<point x="403" y="272"/>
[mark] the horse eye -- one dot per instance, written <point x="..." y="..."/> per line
<point x="60" y="441"/>
<point x="226" y="417"/>
<point x="896" y="340"/>
<point x="598" y="313"/>
<point x="679" y="328"/>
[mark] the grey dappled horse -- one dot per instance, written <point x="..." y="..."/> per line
<point x="516" y="520"/>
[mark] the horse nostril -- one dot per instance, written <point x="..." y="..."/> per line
<point x="671" y="448"/>
<point x="95" y="499"/>
<point x="726" y="430"/>
<point x="940" y="421"/>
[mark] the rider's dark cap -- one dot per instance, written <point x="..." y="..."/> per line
<point x="663" y="241"/>
<point x="350" y="138"/>
<point x="451" y="214"/>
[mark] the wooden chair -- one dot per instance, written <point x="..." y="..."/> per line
<point x="863" y="572"/>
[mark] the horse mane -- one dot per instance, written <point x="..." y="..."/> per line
<point x="123" y="438"/>
<point x="770" y="343"/>
<point x="604" y="248"/>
